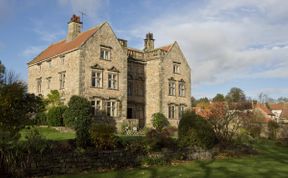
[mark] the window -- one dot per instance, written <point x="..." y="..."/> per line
<point x="181" y="88"/>
<point x="96" y="79"/>
<point x="176" y="68"/>
<point x="62" y="59"/>
<point x="96" y="106"/>
<point x="171" y="111"/>
<point x="39" y="66"/>
<point x="111" y="109"/>
<point x="172" y="88"/>
<point x="140" y="88"/>
<point x="39" y="83"/>
<point x="48" y="82"/>
<point x="62" y="80"/>
<point x="112" y="81"/>
<point x="181" y="110"/>
<point x="105" y="53"/>
<point x="49" y="64"/>
<point x="130" y="87"/>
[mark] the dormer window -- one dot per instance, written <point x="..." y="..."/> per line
<point x="49" y="63"/>
<point x="39" y="66"/>
<point x="176" y="68"/>
<point x="105" y="53"/>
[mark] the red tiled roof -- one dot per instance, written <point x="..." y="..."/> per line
<point x="276" y="106"/>
<point x="264" y="108"/>
<point x="167" y="48"/>
<point x="63" y="46"/>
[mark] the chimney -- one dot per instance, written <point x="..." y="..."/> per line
<point x="74" y="27"/>
<point x="149" y="42"/>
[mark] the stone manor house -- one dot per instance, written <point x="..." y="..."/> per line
<point x="125" y="83"/>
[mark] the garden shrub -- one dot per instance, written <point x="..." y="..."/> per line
<point x="103" y="136"/>
<point x="193" y="130"/>
<point x="35" y="142"/>
<point x="40" y="119"/>
<point x="78" y="116"/>
<point x="159" y="121"/>
<point x="156" y="140"/>
<point x="55" y="115"/>
<point x="272" y="129"/>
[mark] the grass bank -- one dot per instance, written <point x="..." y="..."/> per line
<point x="272" y="161"/>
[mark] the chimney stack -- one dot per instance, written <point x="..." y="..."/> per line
<point x="149" y="42"/>
<point x="74" y="27"/>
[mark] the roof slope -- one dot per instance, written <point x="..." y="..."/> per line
<point x="63" y="46"/>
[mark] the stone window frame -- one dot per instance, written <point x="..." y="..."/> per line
<point x="172" y="111"/>
<point x="97" y="71"/>
<point x="49" y="64"/>
<point x="176" y="67"/>
<point x="181" y="110"/>
<point x="96" y="105"/>
<point x="48" y="82"/>
<point x="105" y="53"/>
<point x="115" y="79"/>
<point x="39" y="66"/>
<point x="181" y="88"/>
<point x="62" y="59"/>
<point x="111" y="107"/>
<point x="62" y="78"/>
<point x="39" y="85"/>
<point x="172" y="87"/>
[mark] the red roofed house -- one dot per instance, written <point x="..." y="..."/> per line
<point x="126" y="83"/>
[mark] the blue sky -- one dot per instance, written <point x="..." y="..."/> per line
<point x="239" y="43"/>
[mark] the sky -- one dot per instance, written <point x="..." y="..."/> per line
<point x="228" y="43"/>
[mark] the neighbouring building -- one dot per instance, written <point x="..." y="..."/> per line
<point x="125" y="83"/>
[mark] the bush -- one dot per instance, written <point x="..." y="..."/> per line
<point x="78" y="116"/>
<point x="156" y="140"/>
<point x="40" y="119"/>
<point x="55" y="115"/>
<point x="272" y="129"/>
<point x="35" y="143"/>
<point x="193" y="130"/>
<point x="159" y="121"/>
<point x="102" y="136"/>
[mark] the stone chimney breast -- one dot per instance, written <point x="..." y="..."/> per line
<point x="74" y="28"/>
<point x="149" y="42"/>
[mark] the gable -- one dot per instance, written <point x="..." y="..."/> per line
<point x="63" y="46"/>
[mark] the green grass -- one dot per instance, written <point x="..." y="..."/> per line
<point x="271" y="162"/>
<point x="50" y="134"/>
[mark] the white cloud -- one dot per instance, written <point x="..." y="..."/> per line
<point x="32" y="51"/>
<point x="49" y="36"/>
<point x="226" y="40"/>
<point x="92" y="8"/>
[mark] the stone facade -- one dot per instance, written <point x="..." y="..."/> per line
<point x="125" y="83"/>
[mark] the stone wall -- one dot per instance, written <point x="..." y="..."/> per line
<point x="68" y="63"/>
<point x="56" y="164"/>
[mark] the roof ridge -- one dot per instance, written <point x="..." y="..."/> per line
<point x="63" y="46"/>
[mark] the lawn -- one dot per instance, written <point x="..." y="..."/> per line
<point x="272" y="161"/>
<point x="50" y="133"/>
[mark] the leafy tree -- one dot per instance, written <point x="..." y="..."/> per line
<point x="225" y="122"/>
<point x="54" y="98"/>
<point x="78" y="116"/>
<point x="193" y="130"/>
<point x="16" y="109"/>
<point x="219" y="98"/>
<point x="193" y="101"/>
<point x="159" y="121"/>
<point x="282" y="99"/>
<point x="2" y="72"/>
<point x="203" y="102"/>
<point x="272" y="129"/>
<point x="55" y="115"/>
<point x="235" y="95"/>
